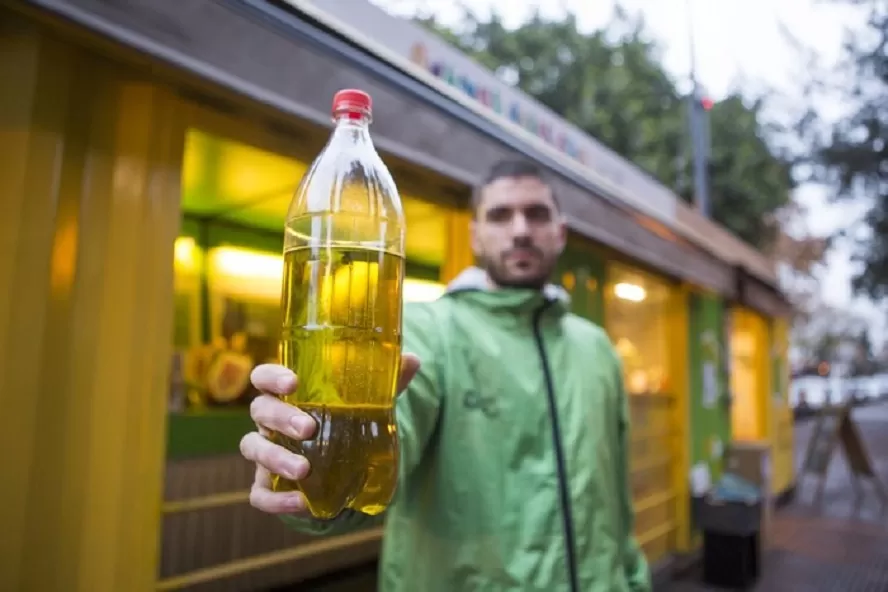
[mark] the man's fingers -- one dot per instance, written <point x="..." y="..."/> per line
<point x="263" y="478"/>
<point x="273" y="379"/>
<point x="277" y="503"/>
<point x="262" y="498"/>
<point x="273" y="414"/>
<point x="409" y="367"/>
<point x="272" y="457"/>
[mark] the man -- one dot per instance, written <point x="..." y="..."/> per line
<point x="513" y="430"/>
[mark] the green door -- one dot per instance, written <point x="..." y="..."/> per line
<point x="710" y="422"/>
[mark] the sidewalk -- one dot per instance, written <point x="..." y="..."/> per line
<point x="835" y="547"/>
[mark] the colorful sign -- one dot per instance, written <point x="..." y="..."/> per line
<point x="545" y="128"/>
<point x="605" y="168"/>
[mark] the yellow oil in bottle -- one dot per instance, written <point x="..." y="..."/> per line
<point x="342" y="337"/>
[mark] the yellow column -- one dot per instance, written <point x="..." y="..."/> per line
<point x="459" y="247"/>
<point x="783" y="421"/>
<point x="765" y="390"/>
<point x="89" y="183"/>
<point x="680" y="379"/>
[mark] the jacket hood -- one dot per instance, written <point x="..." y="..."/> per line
<point x="475" y="278"/>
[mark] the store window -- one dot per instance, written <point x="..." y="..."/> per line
<point x="228" y="269"/>
<point x="637" y="319"/>
<point x="227" y="313"/>
<point x="228" y="266"/>
<point x="637" y="312"/>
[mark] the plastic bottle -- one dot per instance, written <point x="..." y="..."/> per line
<point x="341" y="303"/>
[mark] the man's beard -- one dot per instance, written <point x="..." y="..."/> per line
<point x="496" y="269"/>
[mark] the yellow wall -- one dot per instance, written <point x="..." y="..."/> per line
<point x="783" y="420"/>
<point x="458" y="244"/>
<point x="679" y="371"/>
<point x="89" y="166"/>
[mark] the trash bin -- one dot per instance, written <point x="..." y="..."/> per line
<point x="752" y="463"/>
<point x="731" y="541"/>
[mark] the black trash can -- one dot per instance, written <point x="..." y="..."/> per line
<point x="731" y="541"/>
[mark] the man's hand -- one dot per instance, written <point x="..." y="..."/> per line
<point x="273" y="415"/>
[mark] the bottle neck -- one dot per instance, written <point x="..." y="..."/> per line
<point x="351" y="126"/>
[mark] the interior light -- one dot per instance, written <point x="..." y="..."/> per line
<point x="184" y="252"/>
<point x="422" y="290"/>
<point x="625" y="348"/>
<point x="240" y="271"/>
<point x="248" y="264"/>
<point x="247" y="273"/>
<point x="630" y="292"/>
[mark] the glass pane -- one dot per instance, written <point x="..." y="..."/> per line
<point x="636" y="317"/>
<point x="748" y="348"/>
<point x="243" y="296"/>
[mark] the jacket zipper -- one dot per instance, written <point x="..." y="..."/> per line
<point x="561" y="467"/>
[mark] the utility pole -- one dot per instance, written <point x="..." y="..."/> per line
<point x="698" y="119"/>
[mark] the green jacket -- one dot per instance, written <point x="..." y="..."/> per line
<point x="514" y="452"/>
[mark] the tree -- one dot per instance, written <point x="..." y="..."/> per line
<point x="750" y="183"/>
<point x="610" y="84"/>
<point x="851" y="155"/>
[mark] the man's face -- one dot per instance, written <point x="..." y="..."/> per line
<point x="518" y="233"/>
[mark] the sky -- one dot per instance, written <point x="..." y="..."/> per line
<point x="737" y="43"/>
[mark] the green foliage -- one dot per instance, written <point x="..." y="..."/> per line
<point x="610" y="84"/>
<point x="749" y="183"/>
<point x="852" y="156"/>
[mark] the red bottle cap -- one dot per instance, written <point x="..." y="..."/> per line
<point x="351" y="99"/>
